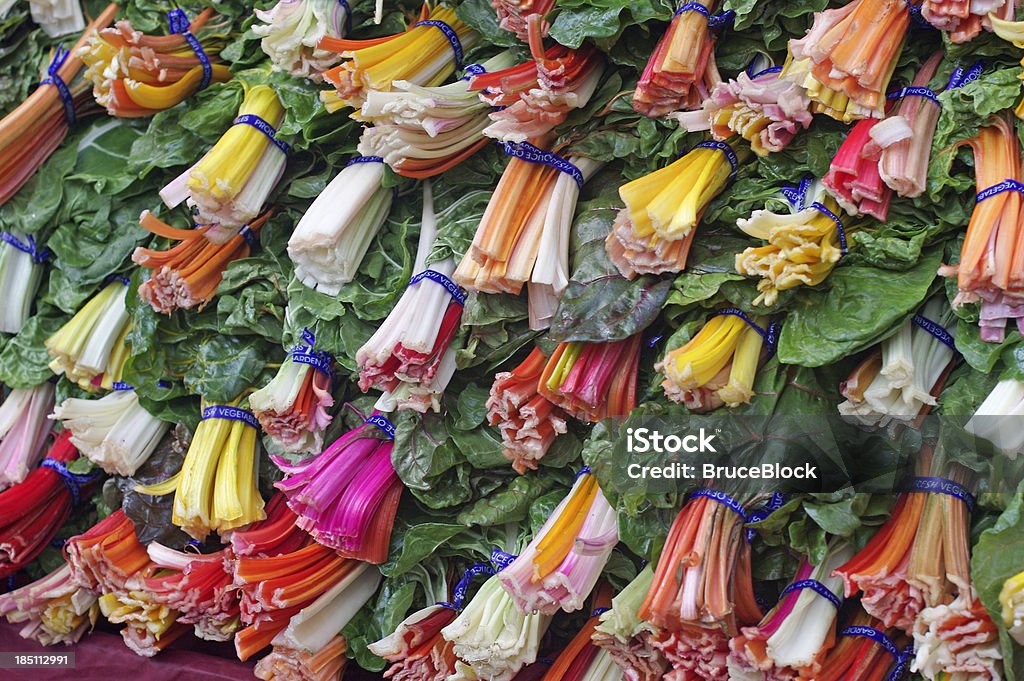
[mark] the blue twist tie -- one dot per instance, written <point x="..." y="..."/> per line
<point x="770" y="335"/>
<point x="266" y="128"/>
<point x="71" y="480"/>
<point x="383" y="423"/>
<point x="473" y="70"/>
<point x="959" y="77"/>
<point x="777" y="501"/>
<point x="722" y="498"/>
<point x="30" y="248"/>
<point x="121" y="386"/>
<point x="1007" y="185"/>
<point x="914" y="91"/>
<point x="53" y="78"/>
<point x="874" y="635"/>
<point x="303" y="353"/>
<point x="179" y="23"/>
<point x="459" y="595"/>
<point x="598" y="611"/>
<point x="765" y="72"/>
<point x="935" y="329"/>
<point x="348" y="15"/>
<point x="815" y="586"/>
<point x="501" y="560"/>
<point x="531" y="154"/>
<point x="250" y="237"/>
<point x="730" y="155"/>
<point x="223" y="411"/>
<point x="940" y="486"/>
<point x="457" y="294"/>
<point x="364" y="159"/>
<point x="449" y="34"/>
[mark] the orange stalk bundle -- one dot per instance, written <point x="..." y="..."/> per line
<point x="188" y="274"/>
<point x="865" y="651"/>
<point x="51" y="610"/>
<point x="136" y="75"/>
<point x="592" y="381"/>
<point x="34" y="130"/>
<point x="991" y="267"/>
<point x="529" y="422"/>
<point x="294" y="664"/>
<point x="958" y="640"/>
<point x="847" y="57"/>
<point x="198" y="586"/>
<point x="278" y="534"/>
<point x="416" y="649"/>
<point x="681" y="72"/>
<point x="964" y="19"/>
<point x="582" y="658"/>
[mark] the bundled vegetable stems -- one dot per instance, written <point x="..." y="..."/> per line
<point x="848" y="55"/>
<point x="89" y="349"/>
<point x="626" y="637"/>
<point x="997" y="418"/>
<point x="229" y="185"/>
<point x="52" y="610"/>
<point x="135" y="75"/>
<point x="409" y="356"/>
<point x="865" y="651"/>
<point x="421" y="131"/>
<point x="899" y="381"/>
<point x="347" y="497"/>
<point x="422" y="55"/>
<point x="964" y="20"/>
<point x="528" y="421"/>
<point x="34" y="130"/>
<point x="582" y="658"/>
<point x="718" y="365"/>
<point x="216" y="486"/>
<point x="21" y="272"/>
<point x="957" y="640"/>
<point x="653" y="233"/>
<point x="333" y="235"/>
<point x="188" y="274"/>
<point x="115" y="432"/>
<point x="561" y="565"/>
<point x="291" y="31"/>
<point x="523" y="237"/>
<point x="23" y="431"/>
<point x="518" y="16"/>
<point x="803" y="245"/>
<point x="991" y="266"/>
<point x="681" y="72"/>
<point x="592" y="381"/>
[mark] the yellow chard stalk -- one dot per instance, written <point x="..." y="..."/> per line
<point x="87" y="345"/>
<point x="1012" y="599"/>
<point x="1011" y="32"/>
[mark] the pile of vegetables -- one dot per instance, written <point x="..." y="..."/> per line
<point x="338" y="331"/>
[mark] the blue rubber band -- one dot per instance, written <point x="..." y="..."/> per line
<point x="777" y="501"/>
<point x="915" y="14"/>
<point x="874" y="635"/>
<point x="1006" y="185"/>
<point x="900" y="670"/>
<point x="459" y="595"/>
<point x="223" y="411"/>
<point x="501" y="560"/>
<point x="266" y="128"/>
<point x="166" y="385"/>
<point x="30" y="248"/>
<point x="959" y="77"/>
<point x="936" y="330"/>
<point x="383" y="423"/>
<point x="722" y="498"/>
<point x="841" y="232"/>
<point x="364" y="159"/>
<point x="765" y="72"/>
<point x="797" y="195"/>
<point x="730" y="155"/>
<point x="457" y="294"/>
<point x="531" y="154"/>
<point x="250" y="237"/>
<point x="815" y="586"/>
<point x="121" y="386"/>
<point x="915" y="91"/>
<point x="348" y="15"/>
<point x="473" y="70"/>
<point x="303" y="353"/>
<point x="940" y="486"/>
<point x="179" y="23"/>
<point x="449" y="34"/>
<point x="71" y="480"/>
<point x="716" y="21"/>
<point x="123" y="278"/>
<point x="583" y="471"/>
<point x="654" y="340"/>
<point x="599" y="611"/>
<point x="53" y="78"/>
<point x="770" y="335"/>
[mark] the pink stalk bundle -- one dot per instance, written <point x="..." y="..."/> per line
<point x="517" y="15"/>
<point x="416" y="649"/>
<point x="906" y="136"/>
<point x="347" y="497"/>
<point x="23" y="430"/>
<point x="958" y="640"/>
<point x="529" y="422"/>
<point x="52" y="610"/>
<point x="198" y="586"/>
<point x="854" y="178"/>
<point x="764" y="109"/>
<point x="964" y="19"/>
<point x="562" y="563"/>
<point x="681" y="71"/>
<point x="564" y="80"/>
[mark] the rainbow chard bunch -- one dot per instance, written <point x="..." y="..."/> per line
<point x="21" y="272"/>
<point x="957" y="640"/>
<point x="292" y="408"/>
<point x="335" y="232"/>
<point x="52" y="610"/>
<point x="866" y="651"/>
<point x="964" y="20"/>
<point x="115" y="432"/>
<point x="89" y="349"/>
<point x="410" y="355"/>
<point x="23" y="431"/>
<point x="561" y="565"/>
<point x="582" y="659"/>
<point x="216" y="486"/>
<point x="228" y="187"/>
<point x="198" y="587"/>
<point x="592" y="381"/>
<point x="135" y="75"/>
<point x="291" y="31"/>
<point x="347" y="497"/>
<point x="519" y="16"/>
<point x="427" y="53"/>
<point x="626" y="637"/>
<point x="416" y="649"/>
